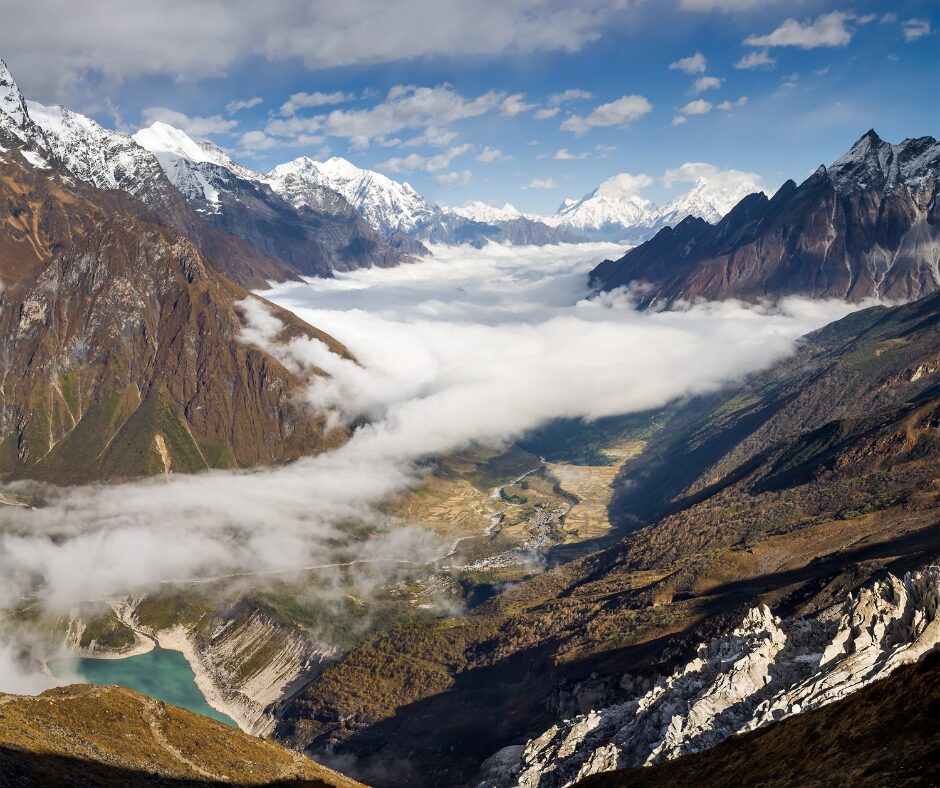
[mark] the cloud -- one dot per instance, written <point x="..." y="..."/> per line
<point x="415" y="161"/>
<point x="697" y="107"/>
<point x="195" y="126"/>
<point x="914" y="29"/>
<point x="565" y="155"/>
<point x="727" y="105"/>
<point x="731" y="181"/>
<point x="489" y="155"/>
<point x="514" y="105"/>
<point x="694" y="64"/>
<point x="706" y="83"/>
<point x="827" y="30"/>
<point x="546" y="112"/>
<point x="454" y="180"/>
<point x="254" y="141"/>
<point x="318" y="99"/>
<point x="720" y="5"/>
<point x="237" y="106"/>
<point x="404" y="107"/>
<point x="433" y="136"/>
<point x="759" y="58"/>
<point x="194" y="39"/>
<point x="678" y="120"/>
<point x="541" y="183"/>
<point x="621" y="113"/>
<point x="574" y="94"/>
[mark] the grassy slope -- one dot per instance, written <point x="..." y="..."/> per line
<point x="111" y="736"/>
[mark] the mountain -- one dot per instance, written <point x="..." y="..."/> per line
<point x="399" y="213"/>
<point x="121" y="342"/>
<point x="482" y="212"/>
<point x="615" y="212"/>
<point x="868" y="226"/>
<point x="314" y="238"/>
<point x="389" y="206"/>
<point x="794" y="489"/>
<point x="81" y="735"/>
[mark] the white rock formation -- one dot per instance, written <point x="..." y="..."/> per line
<point x="763" y="671"/>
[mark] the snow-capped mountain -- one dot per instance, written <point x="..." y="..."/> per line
<point x="101" y="157"/>
<point x="483" y="212"/>
<point x="611" y="208"/>
<point x="389" y="206"/>
<point x="615" y="211"/>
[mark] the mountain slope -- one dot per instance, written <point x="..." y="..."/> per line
<point x="788" y="507"/>
<point x="868" y="226"/>
<point x="110" y="736"/>
<point x="313" y="239"/>
<point x="121" y="344"/>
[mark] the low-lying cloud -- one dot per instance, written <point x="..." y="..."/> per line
<point x="469" y="346"/>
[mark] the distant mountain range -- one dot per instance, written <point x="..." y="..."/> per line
<point x="868" y="226"/>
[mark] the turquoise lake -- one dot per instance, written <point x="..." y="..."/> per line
<point x="159" y="673"/>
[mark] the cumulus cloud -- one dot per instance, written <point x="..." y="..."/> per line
<point x="546" y="112"/>
<point x="827" y="30"/>
<point x="574" y="94"/>
<point x="317" y="99"/>
<point x="564" y="154"/>
<point x="256" y="141"/>
<point x="541" y="183"/>
<point x="728" y="105"/>
<point x="404" y="107"/>
<point x="621" y="112"/>
<point x="515" y="105"/>
<point x="720" y="5"/>
<point x="469" y="346"/>
<point x="415" y="161"/>
<point x="488" y="155"/>
<point x="193" y="125"/>
<point x="914" y="29"/>
<point x="721" y="180"/>
<point x="697" y="107"/>
<point x="238" y="106"/>
<point x="454" y="180"/>
<point x="706" y="83"/>
<point x="759" y="58"/>
<point x="694" y="64"/>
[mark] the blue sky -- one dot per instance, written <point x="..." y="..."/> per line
<point x="456" y="98"/>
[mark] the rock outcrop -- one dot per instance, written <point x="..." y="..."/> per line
<point x="763" y="671"/>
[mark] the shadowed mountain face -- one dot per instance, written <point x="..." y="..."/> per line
<point x="867" y="226"/>
<point x="121" y="350"/>
<point x="792" y="490"/>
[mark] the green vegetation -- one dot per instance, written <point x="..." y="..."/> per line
<point x="581" y="442"/>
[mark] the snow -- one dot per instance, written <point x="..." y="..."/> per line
<point x="11" y="100"/>
<point x="483" y="212"/>
<point x="389" y="206"/>
<point x="35" y="159"/>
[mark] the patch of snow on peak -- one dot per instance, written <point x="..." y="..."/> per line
<point x="479" y="211"/>
<point x="389" y="206"/>
<point x="11" y="100"/>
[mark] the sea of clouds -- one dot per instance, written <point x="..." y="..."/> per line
<point x="467" y="346"/>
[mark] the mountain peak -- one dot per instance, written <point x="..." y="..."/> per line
<point x="11" y="100"/>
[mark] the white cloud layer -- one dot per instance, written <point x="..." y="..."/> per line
<point x="195" y="126"/>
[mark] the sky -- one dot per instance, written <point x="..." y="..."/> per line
<point x="486" y="334"/>
<point x="525" y="101"/>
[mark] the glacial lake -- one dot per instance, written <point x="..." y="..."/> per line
<point x="159" y="673"/>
